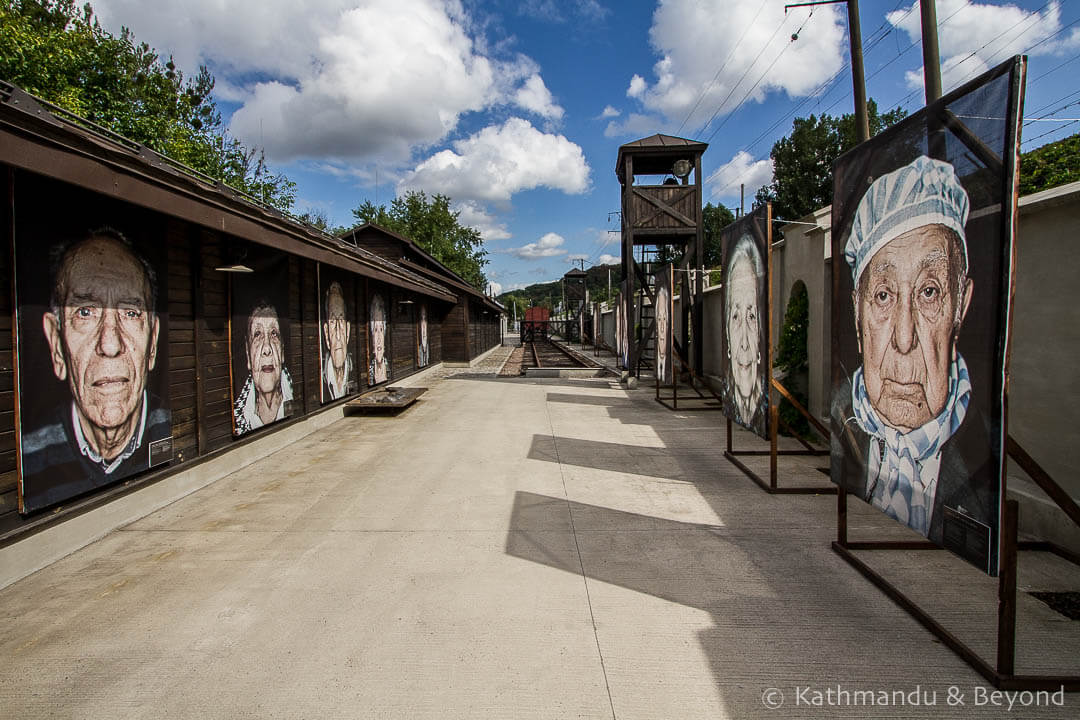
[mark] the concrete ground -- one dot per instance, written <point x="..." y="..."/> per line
<point x="547" y="548"/>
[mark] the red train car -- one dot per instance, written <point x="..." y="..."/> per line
<point x="536" y="323"/>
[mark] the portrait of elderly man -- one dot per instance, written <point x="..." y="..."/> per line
<point x="102" y="330"/>
<point x="907" y="407"/>
<point x="423" y="355"/>
<point x="377" y="368"/>
<point x="746" y="392"/>
<point x="266" y="395"/>
<point x="337" y="365"/>
<point x="663" y="323"/>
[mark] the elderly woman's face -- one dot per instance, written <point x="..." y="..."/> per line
<point x="905" y="313"/>
<point x="264" y="350"/>
<point x="743" y="326"/>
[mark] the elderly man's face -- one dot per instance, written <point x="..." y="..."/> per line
<point x="105" y="341"/>
<point x="743" y="325"/>
<point x="336" y="330"/>
<point x="264" y="350"/>
<point x="906" y="312"/>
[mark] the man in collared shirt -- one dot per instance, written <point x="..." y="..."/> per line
<point x="102" y="332"/>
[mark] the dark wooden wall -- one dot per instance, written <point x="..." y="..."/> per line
<point x="403" y="333"/>
<point x="197" y="302"/>
<point x="453" y="335"/>
<point x="9" y="479"/>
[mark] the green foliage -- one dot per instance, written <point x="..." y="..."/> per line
<point x="550" y="294"/>
<point x="713" y="220"/>
<point x="1053" y="164"/>
<point x="59" y="52"/>
<point x="431" y="224"/>
<point x="802" y="161"/>
<point x="791" y="357"/>
<point x="318" y="218"/>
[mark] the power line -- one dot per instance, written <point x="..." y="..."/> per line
<point x="743" y="76"/>
<point x="794" y="37"/>
<point x="722" y="66"/>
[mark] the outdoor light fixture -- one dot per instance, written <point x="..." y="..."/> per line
<point x="235" y="267"/>
<point x="681" y="169"/>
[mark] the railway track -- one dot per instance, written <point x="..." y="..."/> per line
<point x="543" y="353"/>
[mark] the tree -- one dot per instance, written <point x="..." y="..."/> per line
<point x="714" y="218"/>
<point x="802" y="161"/>
<point x="431" y="224"/>
<point x="60" y="53"/>
<point x="1051" y="165"/>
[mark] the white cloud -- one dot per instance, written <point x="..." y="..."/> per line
<point x="609" y="112"/>
<point x="576" y="257"/>
<point x="634" y="124"/>
<point x="607" y="259"/>
<point x="742" y="168"/>
<point x="473" y="215"/>
<point x="550" y="245"/>
<point x="603" y="238"/>
<point x="339" y="78"/>
<point x="495" y="288"/>
<point x="684" y="34"/>
<point x="967" y="26"/>
<point x="535" y="97"/>
<point x="515" y="286"/>
<point x="501" y="160"/>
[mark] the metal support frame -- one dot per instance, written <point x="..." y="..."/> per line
<point x="1002" y="674"/>
<point x="772" y="487"/>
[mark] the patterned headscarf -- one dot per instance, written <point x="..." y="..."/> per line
<point x="902" y="468"/>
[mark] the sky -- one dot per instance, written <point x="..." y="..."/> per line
<point x="516" y="110"/>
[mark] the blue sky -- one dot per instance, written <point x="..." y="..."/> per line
<point x="516" y="110"/>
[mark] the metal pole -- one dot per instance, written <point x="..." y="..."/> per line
<point x="742" y="192"/>
<point x="931" y="63"/>
<point x="862" y="121"/>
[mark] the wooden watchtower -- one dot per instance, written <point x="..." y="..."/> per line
<point x="658" y="220"/>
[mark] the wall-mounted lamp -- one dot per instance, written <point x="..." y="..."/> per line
<point x="236" y="268"/>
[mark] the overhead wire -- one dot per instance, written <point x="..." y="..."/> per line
<point x="727" y="117"/>
<point x="721" y="68"/>
<point x="742" y="77"/>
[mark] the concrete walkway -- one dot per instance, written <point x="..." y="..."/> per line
<point x="507" y="549"/>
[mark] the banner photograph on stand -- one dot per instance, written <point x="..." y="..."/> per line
<point x="922" y="232"/>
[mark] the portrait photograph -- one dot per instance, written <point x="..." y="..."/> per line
<point x="745" y="349"/>
<point x="262" y="387"/>
<point x="664" y="283"/>
<point x="378" y="335"/>
<point x="92" y="342"/>
<point x="922" y="245"/>
<point x="423" y="349"/>
<point x="337" y="328"/>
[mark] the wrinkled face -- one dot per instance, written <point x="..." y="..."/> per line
<point x="336" y="329"/>
<point x="743" y="326"/>
<point x="264" y="350"/>
<point x="662" y="309"/>
<point x="105" y="341"/>
<point x="907" y="315"/>
<point x="378" y="333"/>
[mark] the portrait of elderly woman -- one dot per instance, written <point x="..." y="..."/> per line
<point x="745" y="337"/>
<point x="377" y="364"/>
<point x="423" y="354"/>
<point x="266" y="395"/>
<point x="663" y="326"/>
<point x="906" y="435"/>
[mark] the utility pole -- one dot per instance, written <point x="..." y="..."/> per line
<point x="858" y="81"/>
<point x="931" y="63"/>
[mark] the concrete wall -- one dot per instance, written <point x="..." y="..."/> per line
<point x="804" y="253"/>
<point x="1044" y="378"/>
